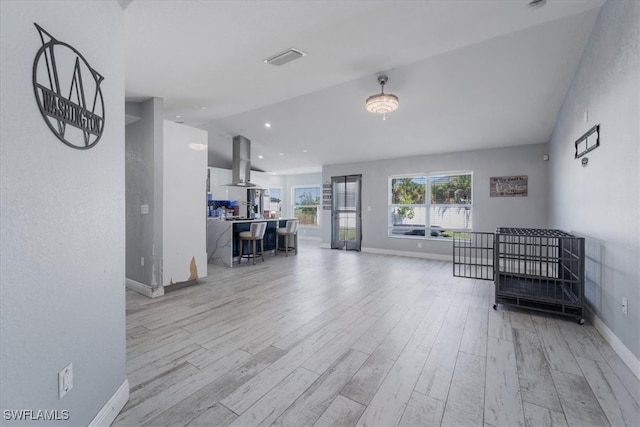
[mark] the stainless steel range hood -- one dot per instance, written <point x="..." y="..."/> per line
<point x="241" y="163"/>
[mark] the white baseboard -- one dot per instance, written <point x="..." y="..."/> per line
<point x="143" y="289"/>
<point x="424" y="255"/>
<point x="112" y="408"/>
<point x="621" y="350"/>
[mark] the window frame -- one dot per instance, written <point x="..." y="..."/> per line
<point x="317" y="206"/>
<point x="281" y="199"/>
<point x="426" y="229"/>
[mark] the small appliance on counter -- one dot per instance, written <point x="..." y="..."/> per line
<point x="222" y="208"/>
<point x="209" y="204"/>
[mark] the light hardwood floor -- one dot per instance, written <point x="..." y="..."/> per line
<point x="333" y="338"/>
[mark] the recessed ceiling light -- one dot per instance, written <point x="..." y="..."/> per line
<point x="197" y="146"/>
<point x="178" y="116"/>
<point x="261" y="156"/>
<point x="203" y="108"/>
<point x="304" y="151"/>
<point x="267" y="125"/>
<point x="282" y="154"/>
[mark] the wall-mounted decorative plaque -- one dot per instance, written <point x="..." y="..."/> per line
<point x="587" y="142"/>
<point x="508" y="186"/>
<point x="68" y="93"/>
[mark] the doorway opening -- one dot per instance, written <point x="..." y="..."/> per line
<point x="346" y="224"/>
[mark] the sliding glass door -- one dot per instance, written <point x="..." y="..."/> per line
<point x="346" y="212"/>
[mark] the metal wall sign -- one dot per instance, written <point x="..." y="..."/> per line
<point x="68" y="93"/>
<point x="587" y="142"/>
<point x="326" y="196"/>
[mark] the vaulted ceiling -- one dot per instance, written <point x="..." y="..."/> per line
<point x="470" y="74"/>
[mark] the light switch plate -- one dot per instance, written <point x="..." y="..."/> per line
<point x="65" y="380"/>
<point x="144" y="209"/>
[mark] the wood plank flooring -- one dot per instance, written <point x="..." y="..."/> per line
<point x="334" y="338"/>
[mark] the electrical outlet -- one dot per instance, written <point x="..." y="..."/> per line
<point x="65" y="380"/>
<point x="624" y="306"/>
<point x="144" y="209"/>
<point x="419" y="245"/>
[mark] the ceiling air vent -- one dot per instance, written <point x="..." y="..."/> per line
<point x="284" y="57"/>
<point x="537" y="3"/>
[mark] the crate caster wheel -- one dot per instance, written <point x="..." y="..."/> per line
<point x="495" y="307"/>
<point x="581" y="321"/>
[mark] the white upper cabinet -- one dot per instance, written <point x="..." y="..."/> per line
<point x="260" y="179"/>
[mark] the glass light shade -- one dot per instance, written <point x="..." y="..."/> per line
<point x="382" y="103"/>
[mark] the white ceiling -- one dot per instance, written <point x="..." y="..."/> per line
<point x="470" y="74"/>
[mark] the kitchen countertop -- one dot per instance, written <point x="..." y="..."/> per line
<point x="222" y="245"/>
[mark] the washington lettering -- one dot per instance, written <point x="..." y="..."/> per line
<point x="61" y="108"/>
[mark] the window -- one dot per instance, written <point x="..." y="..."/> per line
<point x="450" y="209"/>
<point x="275" y="205"/>
<point x="408" y="213"/>
<point x="306" y="202"/>
<point x="430" y="205"/>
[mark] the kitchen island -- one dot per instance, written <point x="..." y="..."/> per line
<point x="222" y="237"/>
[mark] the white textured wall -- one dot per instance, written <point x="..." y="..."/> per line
<point x="144" y="165"/>
<point x="602" y="201"/>
<point x="488" y="212"/>
<point x="62" y="227"/>
<point x="184" y="204"/>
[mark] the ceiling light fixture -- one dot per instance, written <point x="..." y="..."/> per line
<point x="267" y="125"/>
<point x="382" y="103"/>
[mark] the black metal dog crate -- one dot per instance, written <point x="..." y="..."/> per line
<point x="538" y="269"/>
